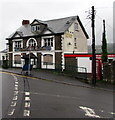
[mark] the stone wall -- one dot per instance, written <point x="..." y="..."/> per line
<point x="58" y="61"/>
<point x="113" y="72"/>
<point x="39" y="60"/>
<point x="70" y="64"/>
<point x="57" y="42"/>
<point x="109" y="72"/>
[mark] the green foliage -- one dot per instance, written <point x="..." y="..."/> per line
<point x="104" y="48"/>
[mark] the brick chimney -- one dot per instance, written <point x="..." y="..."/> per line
<point x="25" y="22"/>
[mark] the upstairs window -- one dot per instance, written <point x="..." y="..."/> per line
<point x="75" y="43"/>
<point x="76" y="26"/>
<point x="32" y="42"/>
<point x="17" y="44"/>
<point x="35" y="28"/>
<point x="48" y="42"/>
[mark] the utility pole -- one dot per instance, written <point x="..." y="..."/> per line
<point x="93" y="48"/>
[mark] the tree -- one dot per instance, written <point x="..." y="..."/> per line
<point x="104" y="45"/>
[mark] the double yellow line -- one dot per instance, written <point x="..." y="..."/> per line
<point x="16" y="74"/>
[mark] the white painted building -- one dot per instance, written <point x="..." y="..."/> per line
<point x="48" y="42"/>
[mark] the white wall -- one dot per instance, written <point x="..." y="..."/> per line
<point x="85" y="62"/>
<point x="69" y="37"/>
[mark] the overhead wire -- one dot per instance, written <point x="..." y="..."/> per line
<point x="106" y="22"/>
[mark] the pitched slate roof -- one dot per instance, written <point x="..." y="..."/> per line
<point x="56" y="26"/>
<point x="25" y="30"/>
<point x="60" y="25"/>
<point x="4" y="51"/>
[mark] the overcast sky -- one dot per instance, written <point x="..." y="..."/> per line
<point x="12" y="12"/>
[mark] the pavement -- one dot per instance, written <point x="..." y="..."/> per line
<point x="60" y="78"/>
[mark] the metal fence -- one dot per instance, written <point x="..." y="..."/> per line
<point x="77" y="72"/>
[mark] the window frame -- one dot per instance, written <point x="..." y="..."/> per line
<point x="76" y="26"/>
<point x="75" y="43"/>
<point x="35" y="28"/>
<point x="48" y="41"/>
<point x="27" y="43"/>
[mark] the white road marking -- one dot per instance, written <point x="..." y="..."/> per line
<point x="15" y="78"/>
<point x="15" y="97"/>
<point x="112" y="113"/>
<point x="89" y="112"/>
<point x="16" y="82"/>
<point x="16" y="88"/>
<point x="27" y="104"/>
<point x="16" y="92"/>
<point x="16" y="85"/>
<point x="27" y="98"/>
<point x="27" y="93"/>
<point x="102" y="111"/>
<point x="26" y="112"/>
<point x="11" y="112"/>
<point x="13" y="104"/>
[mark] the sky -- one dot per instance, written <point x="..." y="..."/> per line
<point x="12" y="12"/>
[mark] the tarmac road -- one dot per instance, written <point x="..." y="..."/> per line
<point x="28" y="97"/>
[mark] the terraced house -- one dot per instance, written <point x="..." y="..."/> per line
<point x="46" y="42"/>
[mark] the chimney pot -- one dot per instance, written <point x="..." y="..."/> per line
<point x="25" y="22"/>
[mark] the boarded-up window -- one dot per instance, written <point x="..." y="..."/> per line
<point x="17" y="59"/>
<point x="48" y="59"/>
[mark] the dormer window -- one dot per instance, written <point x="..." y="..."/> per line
<point x="35" y="28"/>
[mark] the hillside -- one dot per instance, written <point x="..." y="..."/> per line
<point x="110" y="48"/>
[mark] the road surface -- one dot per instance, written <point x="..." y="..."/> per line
<point x="27" y="97"/>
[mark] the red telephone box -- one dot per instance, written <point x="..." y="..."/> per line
<point x="99" y="69"/>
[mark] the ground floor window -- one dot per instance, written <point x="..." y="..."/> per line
<point x="48" y="59"/>
<point x="17" y="59"/>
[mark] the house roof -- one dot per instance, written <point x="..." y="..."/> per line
<point x="55" y="25"/>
